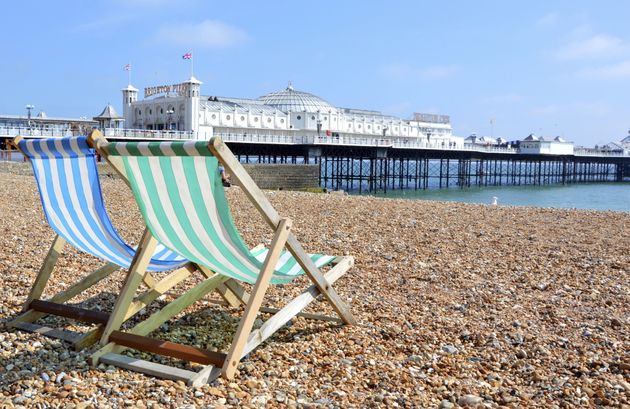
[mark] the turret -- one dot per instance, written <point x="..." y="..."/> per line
<point x="193" y="90"/>
<point x="130" y="95"/>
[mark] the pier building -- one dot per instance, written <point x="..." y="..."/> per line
<point x="284" y="113"/>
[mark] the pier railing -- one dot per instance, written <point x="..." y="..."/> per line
<point x="293" y="137"/>
<point x="148" y="134"/>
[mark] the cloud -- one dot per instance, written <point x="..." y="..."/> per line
<point x="207" y="34"/>
<point x="599" y="45"/>
<point x="502" y="99"/>
<point x="408" y="72"/>
<point x="620" y="70"/>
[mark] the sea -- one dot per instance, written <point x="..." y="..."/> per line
<point x="614" y="196"/>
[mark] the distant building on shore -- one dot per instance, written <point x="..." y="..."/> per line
<point x="288" y="112"/>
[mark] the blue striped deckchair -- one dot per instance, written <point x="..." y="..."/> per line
<point x="67" y="179"/>
<point x="178" y="189"/>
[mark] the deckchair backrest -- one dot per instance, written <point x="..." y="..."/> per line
<point x="178" y="188"/>
<point x="67" y="178"/>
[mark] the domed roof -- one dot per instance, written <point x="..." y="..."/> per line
<point x="296" y="101"/>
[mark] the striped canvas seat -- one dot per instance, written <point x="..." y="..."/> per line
<point x="67" y="178"/>
<point x="179" y="191"/>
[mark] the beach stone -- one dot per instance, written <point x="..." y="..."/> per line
<point x="469" y="400"/>
<point x="449" y="349"/>
<point x="445" y="404"/>
<point x="476" y="301"/>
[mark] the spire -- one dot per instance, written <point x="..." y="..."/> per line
<point x="290" y="86"/>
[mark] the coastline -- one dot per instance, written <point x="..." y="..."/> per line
<point x="476" y="304"/>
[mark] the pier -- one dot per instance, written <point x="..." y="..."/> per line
<point x="369" y="165"/>
<point x="382" y="168"/>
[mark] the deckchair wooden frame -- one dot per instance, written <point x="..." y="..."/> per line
<point x="34" y="308"/>
<point x="245" y="340"/>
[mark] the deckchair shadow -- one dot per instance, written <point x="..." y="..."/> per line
<point x="67" y="179"/>
<point x="179" y="192"/>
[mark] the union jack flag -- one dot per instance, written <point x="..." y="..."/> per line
<point x="187" y="56"/>
<point x="127" y="67"/>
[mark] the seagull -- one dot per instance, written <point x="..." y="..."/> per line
<point x="495" y="200"/>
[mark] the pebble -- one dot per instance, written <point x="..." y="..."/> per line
<point x="469" y="400"/>
<point x="445" y="404"/>
<point x="441" y="321"/>
<point x="449" y="349"/>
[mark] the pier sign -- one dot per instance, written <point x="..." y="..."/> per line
<point x="162" y="89"/>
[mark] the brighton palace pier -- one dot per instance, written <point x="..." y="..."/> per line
<point x="356" y="149"/>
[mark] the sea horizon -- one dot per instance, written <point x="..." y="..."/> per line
<point x="604" y="196"/>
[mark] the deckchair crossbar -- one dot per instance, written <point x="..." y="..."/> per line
<point x="69" y="311"/>
<point x="167" y="348"/>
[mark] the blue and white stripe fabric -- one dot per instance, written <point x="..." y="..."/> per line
<point x="67" y="178"/>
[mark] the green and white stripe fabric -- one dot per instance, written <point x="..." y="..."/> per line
<point x="178" y="188"/>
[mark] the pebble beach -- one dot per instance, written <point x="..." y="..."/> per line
<point x="459" y="305"/>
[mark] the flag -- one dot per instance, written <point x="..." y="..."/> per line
<point x="187" y="56"/>
<point x="127" y="67"/>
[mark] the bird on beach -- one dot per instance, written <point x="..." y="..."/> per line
<point x="495" y="200"/>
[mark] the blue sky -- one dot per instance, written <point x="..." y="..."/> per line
<point x="496" y="67"/>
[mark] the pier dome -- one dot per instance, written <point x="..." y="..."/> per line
<point x="296" y="101"/>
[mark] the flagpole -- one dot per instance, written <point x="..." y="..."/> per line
<point x="129" y="74"/>
<point x="192" y="57"/>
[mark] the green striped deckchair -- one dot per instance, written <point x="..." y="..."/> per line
<point x="178" y="189"/>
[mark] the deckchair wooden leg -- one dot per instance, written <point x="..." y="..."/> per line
<point x="149" y="280"/>
<point x="75" y="289"/>
<point x="262" y="283"/>
<point x="238" y="290"/>
<point x="230" y="298"/>
<point x="225" y="292"/>
<point x="87" y="338"/>
<point x="318" y="279"/>
<point x="44" y="272"/>
<point x="294" y="307"/>
<point x="260" y="201"/>
<point x="134" y="277"/>
<point x="159" y="289"/>
<point x="166" y="313"/>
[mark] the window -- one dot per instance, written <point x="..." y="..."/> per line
<point x="150" y="112"/>
<point x="281" y="120"/>
<point x="214" y="116"/>
<point x="369" y="126"/>
<point x="325" y="118"/>
<point x="299" y="117"/>
<point x="228" y="117"/>
<point x="359" y="126"/>
<point x="242" y="118"/>
<point x="313" y="117"/>
<point x="161" y="111"/>
<point x="268" y="120"/>
<point x="256" y="119"/>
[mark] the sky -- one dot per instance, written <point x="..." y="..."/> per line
<point x="498" y="68"/>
